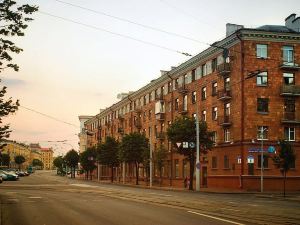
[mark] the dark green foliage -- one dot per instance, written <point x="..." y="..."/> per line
<point x="183" y="129"/>
<point x="108" y="154"/>
<point x="87" y="160"/>
<point x="19" y="159"/>
<point x="37" y="162"/>
<point x="133" y="149"/>
<point x="58" y="162"/>
<point x="159" y="157"/>
<point x="72" y="159"/>
<point x="5" y="159"/>
<point x="285" y="159"/>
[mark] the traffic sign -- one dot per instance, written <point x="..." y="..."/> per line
<point x="178" y="144"/>
<point x="185" y="144"/>
<point x="250" y="159"/>
<point x="239" y="159"/>
<point x="192" y="144"/>
<point x="271" y="149"/>
<point x="198" y="166"/>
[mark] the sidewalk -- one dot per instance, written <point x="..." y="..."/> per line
<point x="291" y="196"/>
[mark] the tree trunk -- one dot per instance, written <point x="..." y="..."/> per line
<point x="136" y="173"/>
<point x="160" y="176"/>
<point x="112" y="174"/>
<point x="192" y="162"/>
<point x="284" y="180"/>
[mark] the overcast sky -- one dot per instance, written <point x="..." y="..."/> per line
<point x="68" y="69"/>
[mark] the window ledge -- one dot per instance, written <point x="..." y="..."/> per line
<point x="263" y="113"/>
<point x="258" y="57"/>
<point x="258" y="168"/>
<point x="262" y="85"/>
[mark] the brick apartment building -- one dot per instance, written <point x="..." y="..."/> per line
<point x="247" y="89"/>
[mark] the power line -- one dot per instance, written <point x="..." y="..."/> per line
<point x="48" y="116"/>
<point x="114" y="33"/>
<point x="131" y="22"/>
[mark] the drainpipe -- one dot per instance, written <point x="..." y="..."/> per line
<point x="172" y="118"/>
<point x="242" y="109"/>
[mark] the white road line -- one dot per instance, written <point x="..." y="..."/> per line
<point x="153" y="193"/>
<point x="236" y="210"/>
<point x="35" y="197"/>
<point x="216" y="218"/>
<point x="83" y="185"/>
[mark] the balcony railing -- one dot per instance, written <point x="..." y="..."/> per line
<point x="160" y="116"/>
<point x="224" y="69"/>
<point x="291" y="117"/>
<point x="224" y="95"/>
<point x="182" y="89"/>
<point x="121" y="117"/>
<point x="160" y="135"/>
<point x="120" y="130"/>
<point x="182" y="110"/>
<point x="290" y="66"/>
<point x="159" y="97"/>
<point x="290" y="90"/>
<point x="138" y="109"/>
<point x="225" y="120"/>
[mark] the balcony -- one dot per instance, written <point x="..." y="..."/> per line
<point x="107" y="123"/>
<point x="182" y="110"/>
<point x="291" y="118"/>
<point x="289" y="66"/>
<point x="225" y="121"/>
<point x="160" y="116"/>
<point x="224" y="95"/>
<point x="121" y="117"/>
<point x="160" y="135"/>
<point x="290" y="90"/>
<point x="138" y="109"/>
<point x="159" y="97"/>
<point x="182" y="89"/>
<point x="138" y="124"/>
<point x="224" y="69"/>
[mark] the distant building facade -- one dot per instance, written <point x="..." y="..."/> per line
<point x="83" y="133"/>
<point x="47" y="158"/>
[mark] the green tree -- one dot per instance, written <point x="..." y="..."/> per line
<point x="13" y="23"/>
<point x="88" y="161"/>
<point x="285" y="159"/>
<point x="37" y="163"/>
<point x="58" y="162"/>
<point x="133" y="150"/>
<point x="159" y="157"/>
<point x="72" y="159"/>
<point x="5" y="159"/>
<point x="108" y="154"/>
<point x="19" y="159"/>
<point x="183" y="129"/>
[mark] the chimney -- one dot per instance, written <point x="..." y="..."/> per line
<point x="231" y="28"/>
<point x="293" y="22"/>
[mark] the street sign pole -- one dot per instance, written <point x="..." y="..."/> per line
<point x="150" y="143"/>
<point x="198" y="150"/>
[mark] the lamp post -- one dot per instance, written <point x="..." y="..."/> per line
<point x="262" y="159"/>
<point x="198" y="150"/>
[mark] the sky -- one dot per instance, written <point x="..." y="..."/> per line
<point x="69" y="69"/>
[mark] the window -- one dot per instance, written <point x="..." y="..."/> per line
<point x="176" y="83"/>
<point x="262" y="79"/>
<point x="263" y="105"/>
<point x="194" y="115"/>
<point x="226" y="162"/>
<point x="170" y="106"/>
<point x="227" y="110"/>
<point x="185" y="103"/>
<point x="214" y="137"/>
<point x="214" y="88"/>
<point x="227" y="84"/>
<point x="193" y="75"/>
<point x="265" y="161"/>
<point x="214" y="162"/>
<point x="194" y="97"/>
<point x="289" y="105"/>
<point x="262" y="133"/>
<point x="185" y="81"/>
<point x="150" y="113"/>
<point x="170" y="87"/>
<point x="289" y="133"/>
<point x="203" y="93"/>
<point x="203" y="70"/>
<point x="289" y="78"/>
<point x="226" y="135"/>
<point x="288" y="54"/>
<point x="184" y="168"/>
<point x="214" y="65"/>
<point x="214" y="113"/>
<point x="176" y="104"/>
<point x="203" y="115"/>
<point x="176" y="168"/>
<point x="261" y="51"/>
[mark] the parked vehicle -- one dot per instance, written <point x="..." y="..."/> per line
<point x="1" y="179"/>
<point x="3" y="175"/>
<point x="11" y="175"/>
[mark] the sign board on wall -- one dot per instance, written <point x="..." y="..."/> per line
<point x="250" y="159"/>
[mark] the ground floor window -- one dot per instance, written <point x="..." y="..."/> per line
<point x="214" y="162"/>
<point x="289" y="133"/>
<point x="176" y="168"/>
<point x="265" y="161"/>
<point x="226" y="162"/>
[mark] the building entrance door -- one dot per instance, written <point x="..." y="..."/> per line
<point x="204" y="176"/>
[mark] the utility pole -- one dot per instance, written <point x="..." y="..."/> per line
<point x="150" y="144"/>
<point x="198" y="149"/>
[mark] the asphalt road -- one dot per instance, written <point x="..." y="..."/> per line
<point x="46" y="199"/>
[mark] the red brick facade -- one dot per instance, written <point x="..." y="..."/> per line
<point x="243" y="104"/>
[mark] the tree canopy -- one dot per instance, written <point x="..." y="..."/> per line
<point x="58" y="162"/>
<point x="88" y="160"/>
<point x="108" y="154"/>
<point x="37" y="162"/>
<point x="72" y="159"/>
<point x="133" y="149"/>
<point x="183" y="129"/>
<point x="5" y="159"/>
<point x="19" y="159"/>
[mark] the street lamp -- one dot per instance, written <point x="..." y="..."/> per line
<point x="262" y="159"/>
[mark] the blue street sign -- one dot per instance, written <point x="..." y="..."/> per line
<point x="198" y="166"/>
<point x="271" y="149"/>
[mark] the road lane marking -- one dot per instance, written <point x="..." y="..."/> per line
<point x="236" y="210"/>
<point x="35" y="197"/>
<point x="83" y="185"/>
<point x="153" y="193"/>
<point x="216" y="218"/>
